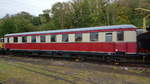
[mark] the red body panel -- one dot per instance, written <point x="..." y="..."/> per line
<point x="121" y="47"/>
<point x="132" y="47"/>
<point x="89" y="47"/>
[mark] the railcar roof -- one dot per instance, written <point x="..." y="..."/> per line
<point x="75" y="30"/>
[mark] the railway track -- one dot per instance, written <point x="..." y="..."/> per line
<point x="140" y="64"/>
<point x="67" y="71"/>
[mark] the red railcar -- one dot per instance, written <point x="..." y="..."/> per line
<point x="94" y="39"/>
<point x="99" y="40"/>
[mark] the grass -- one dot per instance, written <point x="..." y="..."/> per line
<point x="8" y="72"/>
<point x="27" y="73"/>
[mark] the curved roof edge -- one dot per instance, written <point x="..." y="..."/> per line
<point x="76" y="29"/>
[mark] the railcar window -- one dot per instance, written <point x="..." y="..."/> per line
<point x="1" y="40"/>
<point x="94" y="36"/>
<point x="33" y="39"/>
<point x="7" y="40"/>
<point x="53" y="38"/>
<point x="78" y="37"/>
<point x="43" y="38"/>
<point x="15" y="39"/>
<point x="108" y="37"/>
<point x="24" y="39"/>
<point x="65" y="38"/>
<point x="120" y="35"/>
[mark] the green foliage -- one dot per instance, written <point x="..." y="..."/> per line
<point x="22" y="22"/>
<point x="36" y="21"/>
<point x="77" y="13"/>
<point x="7" y="26"/>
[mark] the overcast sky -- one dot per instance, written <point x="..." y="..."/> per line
<point x="34" y="7"/>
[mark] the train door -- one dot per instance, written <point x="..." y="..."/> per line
<point x="120" y="45"/>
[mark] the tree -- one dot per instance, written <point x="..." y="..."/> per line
<point x="36" y="21"/>
<point x="7" y="26"/>
<point x="77" y="13"/>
